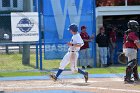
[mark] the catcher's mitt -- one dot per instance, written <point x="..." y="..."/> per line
<point x="122" y="58"/>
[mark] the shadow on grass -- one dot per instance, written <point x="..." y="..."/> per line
<point x="1" y="76"/>
<point x="33" y="66"/>
<point x="43" y="71"/>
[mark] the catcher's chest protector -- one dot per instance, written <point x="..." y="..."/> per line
<point x="128" y="38"/>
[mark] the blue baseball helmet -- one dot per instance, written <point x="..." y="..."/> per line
<point x="73" y="27"/>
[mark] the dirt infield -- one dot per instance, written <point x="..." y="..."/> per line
<point x="94" y="85"/>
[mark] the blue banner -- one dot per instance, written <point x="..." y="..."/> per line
<point x="58" y="15"/>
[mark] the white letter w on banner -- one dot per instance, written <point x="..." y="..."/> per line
<point x="60" y="16"/>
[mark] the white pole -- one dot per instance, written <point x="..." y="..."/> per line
<point x="126" y="3"/>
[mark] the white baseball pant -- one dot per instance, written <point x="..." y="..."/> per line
<point x="130" y="53"/>
<point x="70" y="57"/>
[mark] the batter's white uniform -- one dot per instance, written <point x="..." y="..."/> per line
<point x="72" y="54"/>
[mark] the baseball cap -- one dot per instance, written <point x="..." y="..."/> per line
<point x="73" y="27"/>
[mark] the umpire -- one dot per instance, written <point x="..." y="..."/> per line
<point x="130" y="45"/>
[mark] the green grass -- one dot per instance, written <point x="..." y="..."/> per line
<point x="14" y="62"/>
<point x="109" y="70"/>
<point x="11" y="65"/>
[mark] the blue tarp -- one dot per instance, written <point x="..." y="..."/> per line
<point x="58" y="15"/>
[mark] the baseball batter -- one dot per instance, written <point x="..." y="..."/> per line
<point x="72" y="55"/>
<point x="131" y="43"/>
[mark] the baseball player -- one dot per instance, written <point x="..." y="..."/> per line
<point x="72" y="55"/>
<point x="131" y="43"/>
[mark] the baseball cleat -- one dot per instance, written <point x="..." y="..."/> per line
<point x="136" y="80"/>
<point x="53" y="77"/>
<point x="128" y="81"/>
<point x="86" y="77"/>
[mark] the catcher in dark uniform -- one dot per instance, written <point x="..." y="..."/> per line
<point x="130" y="46"/>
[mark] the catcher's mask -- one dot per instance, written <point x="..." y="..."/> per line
<point x="133" y="25"/>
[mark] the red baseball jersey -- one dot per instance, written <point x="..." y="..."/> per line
<point x="129" y="40"/>
<point x="85" y="36"/>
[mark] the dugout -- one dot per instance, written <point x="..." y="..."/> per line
<point x="117" y="15"/>
<point x="120" y="22"/>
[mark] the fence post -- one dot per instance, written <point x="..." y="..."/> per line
<point x="40" y="35"/>
<point x="94" y="31"/>
<point x="7" y="49"/>
<point x="26" y="55"/>
<point x="37" y="56"/>
<point x="26" y="48"/>
<point x="20" y="49"/>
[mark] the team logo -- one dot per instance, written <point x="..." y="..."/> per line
<point x="25" y="25"/>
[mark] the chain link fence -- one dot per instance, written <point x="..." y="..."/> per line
<point x="11" y="54"/>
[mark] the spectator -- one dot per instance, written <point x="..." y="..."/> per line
<point x="85" y="55"/>
<point x="112" y="44"/>
<point x="102" y="41"/>
<point x="109" y="3"/>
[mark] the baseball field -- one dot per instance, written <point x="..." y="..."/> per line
<point x="27" y="79"/>
<point x="76" y="85"/>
